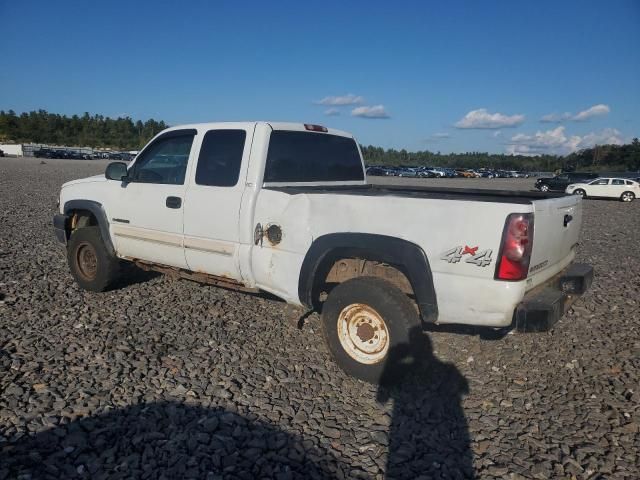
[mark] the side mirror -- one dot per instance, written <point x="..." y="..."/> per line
<point x="116" y="171"/>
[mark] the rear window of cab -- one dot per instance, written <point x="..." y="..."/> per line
<point x="312" y="157"/>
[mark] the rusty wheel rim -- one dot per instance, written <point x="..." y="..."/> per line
<point x="87" y="261"/>
<point x="363" y="333"/>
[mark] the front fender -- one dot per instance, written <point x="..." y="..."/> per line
<point x="98" y="212"/>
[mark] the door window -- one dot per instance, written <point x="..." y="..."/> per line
<point x="220" y="158"/>
<point x="164" y="161"/>
<point x="600" y="181"/>
<point x="617" y="181"/>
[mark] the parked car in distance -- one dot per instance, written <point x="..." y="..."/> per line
<point x="487" y="174"/>
<point x="622" y="188"/>
<point x="465" y="173"/>
<point x="560" y="182"/>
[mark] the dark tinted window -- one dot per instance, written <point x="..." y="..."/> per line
<point x="164" y="161"/>
<point x="582" y="175"/>
<point x="220" y="158"/>
<point x="617" y="181"/>
<point x="312" y="157"/>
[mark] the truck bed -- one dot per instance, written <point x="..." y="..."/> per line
<point x="443" y="193"/>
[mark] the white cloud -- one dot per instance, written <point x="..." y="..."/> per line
<point x="436" y="137"/>
<point x="341" y="100"/>
<point x="332" y="112"/>
<point x="555" y="117"/>
<point x="481" y="118"/>
<point x="374" y="111"/>
<point x="556" y="141"/>
<point x="608" y="136"/>
<point x="596" y="110"/>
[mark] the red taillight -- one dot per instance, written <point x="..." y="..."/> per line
<point x="315" y="128"/>
<point x="515" y="250"/>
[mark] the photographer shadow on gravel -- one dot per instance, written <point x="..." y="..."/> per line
<point x="166" y="440"/>
<point x="428" y="436"/>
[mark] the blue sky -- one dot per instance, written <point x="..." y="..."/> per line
<point x="444" y="76"/>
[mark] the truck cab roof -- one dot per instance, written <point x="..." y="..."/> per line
<point x="293" y="126"/>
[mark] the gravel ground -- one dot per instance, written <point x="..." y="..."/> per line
<point x="170" y="379"/>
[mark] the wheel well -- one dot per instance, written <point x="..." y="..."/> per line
<point x="398" y="261"/>
<point x="338" y="270"/>
<point x="80" y="219"/>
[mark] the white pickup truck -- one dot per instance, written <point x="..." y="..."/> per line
<point x="285" y="208"/>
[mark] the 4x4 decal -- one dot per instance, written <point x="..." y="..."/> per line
<point x="480" y="258"/>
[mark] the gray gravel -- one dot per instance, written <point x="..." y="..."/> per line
<point x="170" y="379"/>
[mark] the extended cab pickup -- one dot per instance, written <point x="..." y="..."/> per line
<point x="285" y="208"/>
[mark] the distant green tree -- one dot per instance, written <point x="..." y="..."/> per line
<point x="86" y="130"/>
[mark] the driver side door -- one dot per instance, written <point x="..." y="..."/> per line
<point x="147" y="210"/>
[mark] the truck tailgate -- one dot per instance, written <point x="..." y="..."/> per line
<point x="557" y="224"/>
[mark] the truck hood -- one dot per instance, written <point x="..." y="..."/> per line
<point x="95" y="178"/>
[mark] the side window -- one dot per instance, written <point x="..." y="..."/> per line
<point x="164" y="161"/>
<point x="220" y="158"/>
<point x="601" y="181"/>
<point x="563" y="178"/>
<point x="629" y="182"/>
<point x="617" y="181"/>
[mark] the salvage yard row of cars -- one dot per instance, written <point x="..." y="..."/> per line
<point x="442" y="172"/>
<point x="79" y="155"/>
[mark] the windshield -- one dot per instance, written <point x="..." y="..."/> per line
<point x="312" y="157"/>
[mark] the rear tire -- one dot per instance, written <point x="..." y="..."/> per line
<point x="91" y="265"/>
<point x="544" y="188"/>
<point x="628" y="197"/>
<point x="364" y="319"/>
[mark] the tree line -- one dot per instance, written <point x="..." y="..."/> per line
<point x="599" y="158"/>
<point x="123" y="133"/>
<point x="79" y="131"/>
<point x="391" y="157"/>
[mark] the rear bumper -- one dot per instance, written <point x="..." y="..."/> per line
<point x="543" y="306"/>
<point x="60" y="227"/>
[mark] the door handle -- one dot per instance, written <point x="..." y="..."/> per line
<point x="174" y="202"/>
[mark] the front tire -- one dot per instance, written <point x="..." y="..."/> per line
<point x="628" y="197"/>
<point x="544" y="188"/>
<point x="364" y="319"/>
<point x="580" y="192"/>
<point x="91" y="265"/>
